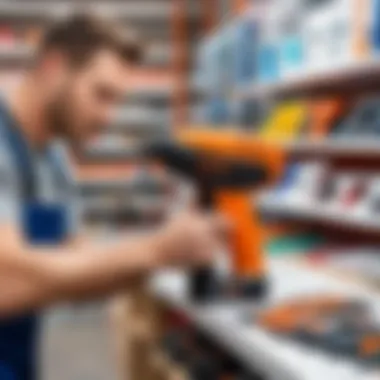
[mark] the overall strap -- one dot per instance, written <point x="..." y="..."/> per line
<point x="21" y="153"/>
<point x="61" y="175"/>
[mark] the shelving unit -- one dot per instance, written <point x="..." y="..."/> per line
<point x="321" y="214"/>
<point x="142" y="119"/>
<point x="121" y="185"/>
<point x="42" y="11"/>
<point x="110" y="155"/>
<point x="233" y="326"/>
<point x="15" y="56"/>
<point x="358" y="76"/>
<point x="335" y="147"/>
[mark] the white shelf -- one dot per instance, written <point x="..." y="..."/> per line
<point x="353" y="75"/>
<point x="321" y="214"/>
<point x="338" y="147"/>
<point x="276" y="358"/>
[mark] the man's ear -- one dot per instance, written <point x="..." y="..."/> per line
<point x="53" y="71"/>
<point x="52" y="63"/>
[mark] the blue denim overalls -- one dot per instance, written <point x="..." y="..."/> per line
<point x="41" y="223"/>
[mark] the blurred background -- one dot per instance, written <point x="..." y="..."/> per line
<point x="299" y="75"/>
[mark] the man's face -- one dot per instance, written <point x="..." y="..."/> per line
<point x="82" y="101"/>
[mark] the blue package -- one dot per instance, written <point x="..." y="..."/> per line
<point x="246" y="52"/>
<point x="268" y="65"/>
<point x="288" y="179"/>
<point x="375" y="38"/>
<point x="291" y="53"/>
<point x="219" y="112"/>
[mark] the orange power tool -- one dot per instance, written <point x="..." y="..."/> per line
<point x="226" y="167"/>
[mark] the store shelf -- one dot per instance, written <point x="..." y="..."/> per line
<point x="351" y="77"/>
<point x="138" y="203"/>
<point x="354" y="148"/>
<point x="127" y="186"/>
<point x="259" y="350"/>
<point x="22" y="55"/>
<point x="360" y="150"/>
<point x="107" y="155"/>
<point x="319" y="213"/>
<point x="15" y="55"/>
<point x="150" y="91"/>
<point x="143" y="129"/>
<point x="159" y="54"/>
<point x="25" y="10"/>
<point x="142" y="120"/>
<point x="228" y="23"/>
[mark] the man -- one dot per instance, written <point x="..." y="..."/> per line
<point x="78" y="77"/>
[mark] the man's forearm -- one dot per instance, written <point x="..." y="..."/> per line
<point x="31" y="277"/>
<point x="44" y="276"/>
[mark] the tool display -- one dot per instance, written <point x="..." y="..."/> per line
<point x="328" y="322"/>
<point x="294" y="244"/>
<point x="291" y="46"/>
<point x="363" y="122"/>
<point x="301" y="185"/>
<point x="285" y="122"/>
<point x="268" y="62"/>
<point x="375" y="30"/>
<point x="370" y="205"/>
<point x="226" y="167"/>
<point x="324" y="115"/>
<point x="359" y="261"/>
<point x="303" y="62"/>
<point x="246" y="36"/>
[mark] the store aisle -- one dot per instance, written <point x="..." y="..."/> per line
<point x="76" y="344"/>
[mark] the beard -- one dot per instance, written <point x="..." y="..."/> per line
<point x="64" y="123"/>
<point x="59" y="117"/>
<point x="67" y="121"/>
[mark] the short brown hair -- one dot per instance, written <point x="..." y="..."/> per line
<point x="80" y="36"/>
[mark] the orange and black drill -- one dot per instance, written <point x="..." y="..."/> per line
<point x="226" y="167"/>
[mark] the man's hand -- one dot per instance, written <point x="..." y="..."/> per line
<point x="191" y="239"/>
<point x="33" y="277"/>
